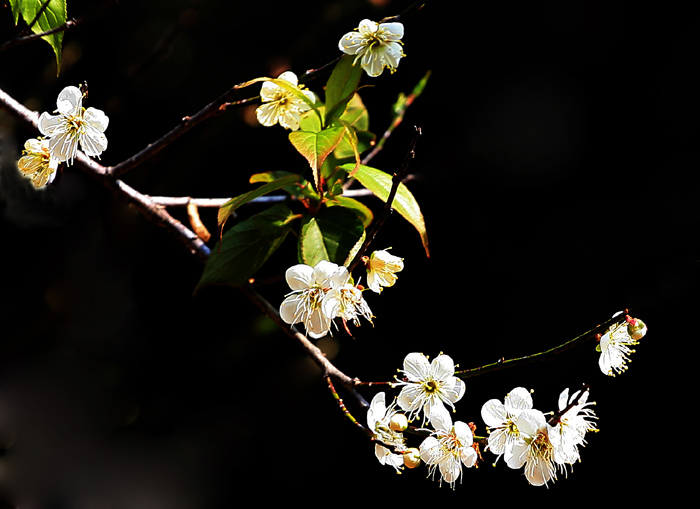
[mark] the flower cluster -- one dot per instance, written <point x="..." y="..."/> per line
<point x="426" y="388"/>
<point x="377" y="46"/>
<point x="70" y="127"/>
<point x="325" y="292"/>
<point x="616" y="344"/>
<point x="541" y="444"/>
<point x="526" y="439"/>
<point x="284" y="102"/>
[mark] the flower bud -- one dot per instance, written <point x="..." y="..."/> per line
<point x="636" y="328"/>
<point x="398" y="422"/>
<point x="411" y="457"/>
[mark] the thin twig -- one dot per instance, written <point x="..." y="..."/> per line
<point x="541" y="356"/>
<point x="386" y="211"/>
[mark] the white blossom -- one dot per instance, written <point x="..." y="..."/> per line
<point x="428" y="385"/>
<point x="309" y="288"/>
<point x="533" y="449"/>
<point x="448" y="447"/>
<point x="501" y="419"/>
<point x="37" y="163"/>
<point x="376" y="45"/>
<point x="346" y="302"/>
<point x="379" y="418"/>
<point x="74" y="125"/>
<point x="570" y="430"/>
<point x="381" y="270"/>
<point x="280" y="104"/>
<point x="615" y="349"/>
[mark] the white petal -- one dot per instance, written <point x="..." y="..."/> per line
<point x="70" y="101"/>
<point x="416" y="367"/>
<point x="442" y="367"/>
<point x="96" y="118"/>
<point x="299" y="277"/>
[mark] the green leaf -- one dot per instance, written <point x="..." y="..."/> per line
<point x="246" y="247"/>
<point x="230" y="206"/>
<point x="334" y="234"/>
<point x="380" y="184"/>
<point x="341" y="86"/>
<point x="315" y="147"/>
<point x="53" y="16"/>
<point x="362" y="210"/>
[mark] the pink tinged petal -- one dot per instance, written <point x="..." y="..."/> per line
<point x="416" y="367"/>
<point x="70" y="101"/>
<point x="530" y="422"/>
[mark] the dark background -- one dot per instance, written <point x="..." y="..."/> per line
<point x="557" y="173"/>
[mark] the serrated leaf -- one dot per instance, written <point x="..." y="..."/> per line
<point x="380" y="184"/>
<point x="246" y="247"/>
<point x="315" y="147"/>
<point x="230" y="206"/>
<point x="331" y="235"/>
<point x="53" y="16"/>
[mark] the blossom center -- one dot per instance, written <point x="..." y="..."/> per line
<point x="431" y="386"/>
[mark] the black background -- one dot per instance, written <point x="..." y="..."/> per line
<point x="557" y="173"/>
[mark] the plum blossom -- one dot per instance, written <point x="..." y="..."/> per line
<point x="449" y="446"/>
<point x="572" y="425"/>
<point x="380" y="420"/>
<point x="533" y="449"/>
<point x="376" y="45"/>
<point x="37" y="163"/>
<point x="616" y="345"/>
<point x="346" y="302"/>
<point x="501" y="419"/>
<point x="309" y="288"/>
<point x="73" y="126"/>
<point x="381" y="269"/>
<point x="283" y="104"/>
<point x="428" y="385"/>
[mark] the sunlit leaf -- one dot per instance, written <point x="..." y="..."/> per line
<point x="230" y="206"/>
<point x="315" y="147"/>
<point x="246" y="247"/>
<point x="341" y="86"/>
<point x="404" y="203"/>
<point x="52" y="16"/>
<point x="331" y="235"/>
